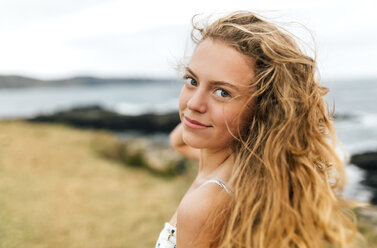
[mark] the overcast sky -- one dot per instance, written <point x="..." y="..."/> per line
<point x="145" y="38"/>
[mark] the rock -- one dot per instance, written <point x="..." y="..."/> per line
<point x="156" y="157"/>
<point x="99" y="118"/>
<point x="344" y="117"/>
<point x="368" y="162"/>
<point x="140" y="152"/>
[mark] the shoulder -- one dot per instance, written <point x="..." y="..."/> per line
<point x="193" y="223"/>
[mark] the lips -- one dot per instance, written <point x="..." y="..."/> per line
<point x="194" y="122"/>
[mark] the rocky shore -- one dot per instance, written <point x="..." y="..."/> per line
<point x="99" y="118"/>
<point x="368" y="162"/>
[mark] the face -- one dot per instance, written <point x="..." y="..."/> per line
<point x="217" y="80"/>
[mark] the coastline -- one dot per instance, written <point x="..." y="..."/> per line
<point x="156" y="127"/>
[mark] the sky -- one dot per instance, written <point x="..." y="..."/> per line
<point x="50" y="39"/>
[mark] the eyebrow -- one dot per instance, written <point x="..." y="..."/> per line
<point x="215" y="82"/>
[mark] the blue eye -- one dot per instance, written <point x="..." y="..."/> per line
<point x="223" y="93"/>
<point x="190" y="81"/>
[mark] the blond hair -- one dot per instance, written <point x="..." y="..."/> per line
<point x="286" y="177"/>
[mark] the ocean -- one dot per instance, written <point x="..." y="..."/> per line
<point x="354" y="101"/>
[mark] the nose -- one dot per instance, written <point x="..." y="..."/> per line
<point x="197" y="102"/>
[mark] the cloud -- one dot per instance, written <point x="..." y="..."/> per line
<point x="47" y="38"/>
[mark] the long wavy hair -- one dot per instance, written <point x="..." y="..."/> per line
<point x="287" y="177"/>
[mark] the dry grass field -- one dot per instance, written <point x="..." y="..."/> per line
<point x="57" y="191"/>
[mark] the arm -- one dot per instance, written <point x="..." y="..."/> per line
<point x="180" y="146"/>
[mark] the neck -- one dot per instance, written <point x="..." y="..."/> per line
<point x="215" y="162"/>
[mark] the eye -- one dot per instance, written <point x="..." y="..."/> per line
<point x="222" y="93"/>
<point x="189" y="80"/>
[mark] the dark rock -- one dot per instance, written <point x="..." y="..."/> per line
<point x="99" y="118"/>
<point x="368" y="162"/>
<point x="344" y="117"/>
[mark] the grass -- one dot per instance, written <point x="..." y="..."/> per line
<point x="57" y="190"/>
<point x="367" y="224"/>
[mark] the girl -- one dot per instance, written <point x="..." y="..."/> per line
<point x="253" y="115"/>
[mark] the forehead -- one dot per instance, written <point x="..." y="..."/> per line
<point x="217" y="61"/>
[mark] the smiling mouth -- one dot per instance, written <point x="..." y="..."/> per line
<point x="193" y="124"/>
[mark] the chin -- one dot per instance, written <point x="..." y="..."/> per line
<point x="197" y="145"/>
<point x="194" y="142"/>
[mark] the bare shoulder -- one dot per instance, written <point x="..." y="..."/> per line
<point x="193" y="212"/>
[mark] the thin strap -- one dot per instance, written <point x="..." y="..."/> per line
<point x="220" y="183"/>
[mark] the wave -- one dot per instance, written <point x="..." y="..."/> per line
<point x="354" y="189"/>
<point x="357" y="131"/>
<point x="369" y="120"/>
<point x="130" y="108"/>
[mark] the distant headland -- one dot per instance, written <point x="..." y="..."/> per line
<point x="15" y="81"/>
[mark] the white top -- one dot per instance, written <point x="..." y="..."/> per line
<point x="168" y="235"/>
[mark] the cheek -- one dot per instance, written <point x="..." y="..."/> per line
<point x="237" y="117"/>
<point x="183" y="98"/>
<point x="228" y="117"/>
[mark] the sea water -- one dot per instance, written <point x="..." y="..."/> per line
<point x="129" y="99"/>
